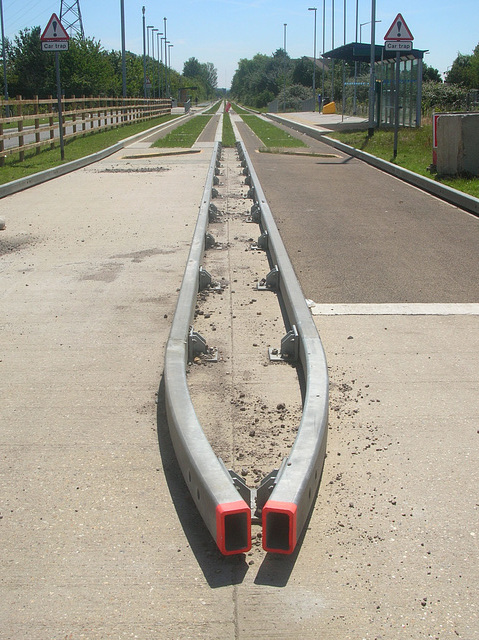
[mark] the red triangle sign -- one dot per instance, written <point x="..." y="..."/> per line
<point x="54" y="31"/>
<point x="399" y="30"/>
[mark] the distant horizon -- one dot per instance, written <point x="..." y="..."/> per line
<point x="208" y="30"/>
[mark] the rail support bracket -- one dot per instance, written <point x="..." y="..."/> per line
<point x="289" y="351"/>
<point x="241" y="486"/>
<point x="205" y="279"/>
<point x="213" y="213"/>
<point x="263" y="241"/>
<point x="271" y="282"/>
<point x="209" y="241"/>
<point x="256" y="213"/>
<point x="265" y="489"/>
<point x="197" y="345"/>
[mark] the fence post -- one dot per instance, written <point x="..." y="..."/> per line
<point x="20" y="127"/>
<point x="2" y="146"/>
<point x="52" y="133"/>
<point x="74" y="115"/>
<point x="36" y="111"/>
<point x="83" y="114"/>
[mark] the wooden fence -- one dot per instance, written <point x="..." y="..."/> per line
<point x="38" y="119"/>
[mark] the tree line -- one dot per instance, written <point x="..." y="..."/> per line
<point x="259" y="81"/>
<point x="88" y="69"/>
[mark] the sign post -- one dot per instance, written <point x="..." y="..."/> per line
<point x="56" y="39"/>
<point x="398" y="38"/>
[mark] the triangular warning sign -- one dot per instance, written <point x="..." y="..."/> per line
<point x="55" y="31"/>
<point x="399" y="30"/>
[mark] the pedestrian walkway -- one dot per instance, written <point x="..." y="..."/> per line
<point x="327" y="121"/>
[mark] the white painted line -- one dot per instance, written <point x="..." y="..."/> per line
<point x="399" y="309"/>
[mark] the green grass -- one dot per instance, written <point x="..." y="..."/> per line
<point x="414" y="153"/>
<point x="228" y="136"/>
<point x="239" y="110"/>
<point x="74" y="149"/>
<point x="185" y="135"/>
<point x="271" y="136"/>
<point x="212" y="110"/>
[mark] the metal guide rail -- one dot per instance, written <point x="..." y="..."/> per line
<point x="286" y="495"/>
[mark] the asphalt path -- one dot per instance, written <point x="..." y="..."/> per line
<point x="358" y="235"/>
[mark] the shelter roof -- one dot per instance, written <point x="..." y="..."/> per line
<point x="361" y="52"/>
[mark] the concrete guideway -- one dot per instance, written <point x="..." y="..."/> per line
<point x="283" y="499"/>
<point x="99" y="536"/>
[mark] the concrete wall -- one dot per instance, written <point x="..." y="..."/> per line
<point x="458" y="144"/>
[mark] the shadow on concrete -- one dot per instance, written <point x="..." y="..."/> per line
<point x="219" y="570"/>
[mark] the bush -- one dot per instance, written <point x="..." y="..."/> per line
<point x="443" y="97"/>
<point x="294" y="96"/>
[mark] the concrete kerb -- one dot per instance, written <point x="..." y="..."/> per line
<point x="49" y="174"/>
<point x="453" y="196"/>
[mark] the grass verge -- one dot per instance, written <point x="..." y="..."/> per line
<point x="74" y="149"/>
<point x="228" y="136"/>
<point x="414" y="153"/>
<point x="184" y="136"/>
<point x="270" y="135"/>
<point x="213" y="109"/>
<point x="240" y="111"/>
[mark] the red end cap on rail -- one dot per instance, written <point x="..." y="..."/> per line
<point x="233" y="527"/>
<point x="279" y="526"/>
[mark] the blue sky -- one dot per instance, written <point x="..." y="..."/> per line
<point x="224" y="31"/>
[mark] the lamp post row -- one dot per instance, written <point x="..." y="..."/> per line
<point x="163" y="45"/>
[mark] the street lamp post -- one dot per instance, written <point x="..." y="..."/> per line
<point x="148" y="27"/>
<point x="322" y="52"/>
<point x="153" y="62"/>
<point x="314" y="58"/>
<point x="344" y="63"/>
<point x="5" y="83"/>
<point x="144" y="53"/>
<point x="372" y="78"/>
<point x="332" y="49"/>
<point x="162" y="38"/>
<point x="170" y="46"/>
<point x="159" y="46"/>
<point x="361" y="26"/>
<point x="284" y="70"/>
<point x="166" y="58"/>
<point x="123" y="61"/>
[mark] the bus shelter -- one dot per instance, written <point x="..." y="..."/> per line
<point x="410" y="80"/>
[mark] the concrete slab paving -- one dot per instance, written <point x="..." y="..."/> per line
<point x="98" y="535"/>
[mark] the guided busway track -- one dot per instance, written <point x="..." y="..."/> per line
<point x="284" y="498"/>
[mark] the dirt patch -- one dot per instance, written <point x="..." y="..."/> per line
<point x="16" y="243"/>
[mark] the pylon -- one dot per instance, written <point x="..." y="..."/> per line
<point x="70" y="17"/>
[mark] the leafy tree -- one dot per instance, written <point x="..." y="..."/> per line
<point x="31" y="71"/>
<point x="192" y="68"/>
<point x="459" y="70"/>
<point x="303" y="72"/>
<point x="430" y="74"/>
<point x="204" y="74"/>
<point x="88" y="70"/>
<point x="210" y="75"/>
<point x="259" y="80"/>
<point x="465" y="70"/>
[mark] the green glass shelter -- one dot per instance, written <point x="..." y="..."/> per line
<point x="410" y="80"/>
